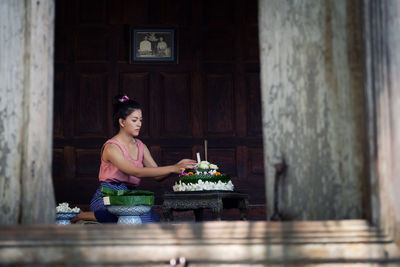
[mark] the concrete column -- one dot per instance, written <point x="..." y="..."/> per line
<point x="382" y="38"/>
<point x="26" y="111"/>
<point x="314" y="108"/>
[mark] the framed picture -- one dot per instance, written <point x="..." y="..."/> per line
<point x="153" y="45"/>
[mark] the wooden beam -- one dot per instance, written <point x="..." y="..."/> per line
<point x="212" y="243"/>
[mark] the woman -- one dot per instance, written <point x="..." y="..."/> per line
<point x="125" y="160"/>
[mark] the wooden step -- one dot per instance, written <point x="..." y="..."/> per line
<point x="201" y="244"/>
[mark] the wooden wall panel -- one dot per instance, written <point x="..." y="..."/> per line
<point x="61" y="19"/>
<point x="122" y="35"/>
<point x="251" y="11"/>
<point x="58" y="126"/>
<point x="219" y="14"/>
<point x="186" y="46"/>
<point x="220" y="109"/>
<point x="60" y="43"/>
<point x="88" y="162"/>
<point x="58" y="163"/>
<point x="250" y="50"/>
<point x="85" y="189"/>
<point x="218" y="45"/>
<point x="212" y="93"/>
<point x="256" y="161"/>
<point x="91" y="108"/>
<point x="254" y="104"/>
<point x="225" y="158"/>
<point x="62" y="36"/>
<point x="176" y="12"/>
<point x="136" y="12"/>
<point x="173" y="155"/>
<point x="92" y="12"/>
<point x="176" y="105"/>
<point x="242" y="162"/>
<point x="68" y="190"/>
<point x="136" y="86"/>
<point x="69" y="162"/>
<point x="92" y="46"/>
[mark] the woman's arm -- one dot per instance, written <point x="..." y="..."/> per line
<point x="84" y="216"/>
<point x="148" y="161"/>
<point x="112" y="153"/>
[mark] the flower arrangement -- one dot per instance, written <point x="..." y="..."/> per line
<point x="202" y="168"/>
<point x="203" y="172"/>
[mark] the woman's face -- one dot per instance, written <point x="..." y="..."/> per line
<point x="133" y="122"/>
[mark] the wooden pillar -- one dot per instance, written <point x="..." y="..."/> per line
<point x="382" y="36"/>
<point x="314" y="108"/>
<point x="26" y="111"/>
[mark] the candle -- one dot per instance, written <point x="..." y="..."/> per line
<point x="198" y="157"/>
<point x="205" y="149"/>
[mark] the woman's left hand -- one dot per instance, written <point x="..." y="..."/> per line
<point x="187" y="164"/>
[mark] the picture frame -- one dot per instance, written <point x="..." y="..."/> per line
<point x="153" y="45"/>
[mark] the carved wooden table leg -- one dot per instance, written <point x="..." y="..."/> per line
<point x="198" y="214"/>
<point x="244" y="208"/>
<point x="167" y="212"/>
<point x="217" y="208"/>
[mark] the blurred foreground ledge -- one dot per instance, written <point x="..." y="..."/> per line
<point x="241" y="243"/>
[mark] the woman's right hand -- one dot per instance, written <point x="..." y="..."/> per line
<point x="184" y="164"/>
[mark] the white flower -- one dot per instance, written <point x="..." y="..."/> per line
<point x="212" y="172"/>
<point x="213" y="167"/>
<point x="204" y="165"/>
<point x="201" y="186"/>
<point x="64" y="207"/>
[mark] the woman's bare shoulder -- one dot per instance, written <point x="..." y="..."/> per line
<point x="111" y="146"/>
<point x="111" y="149"/>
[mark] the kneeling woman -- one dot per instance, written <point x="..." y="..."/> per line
<point x="125" y="159"/>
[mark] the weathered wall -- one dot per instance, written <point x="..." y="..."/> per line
<point x="393" y="183"/>
<point x="313" y="107"/>
<point x="11" y="118"/>
<point x="382" y="36"/>
<point x="26" y="108"/>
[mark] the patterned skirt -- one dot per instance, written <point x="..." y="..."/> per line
<point x="104" y="216"/>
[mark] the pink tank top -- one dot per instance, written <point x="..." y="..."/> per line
<point x="110" y="173"/>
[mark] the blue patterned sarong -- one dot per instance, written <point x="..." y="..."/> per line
<point x="104" y="216"/>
